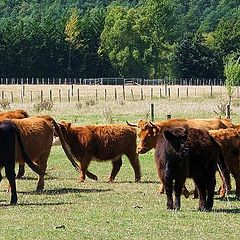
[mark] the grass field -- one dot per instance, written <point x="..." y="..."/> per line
<point x="67" y="209"/>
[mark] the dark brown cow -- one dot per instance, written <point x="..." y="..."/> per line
<point x="37" y="136"/>
<point x="106" y="142"/>
<point x="229" y="140"/>
<point x="9" y="137"/>
<point x="150" y="132"/>
<point x="188" y="152"/>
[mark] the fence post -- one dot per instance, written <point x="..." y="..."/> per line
<point x="60" y="95"/>
<point x="12" y="97"/>
<point x="141" y="94"/>
<point x="69" y="97"/>
<point x="41" y="95"/>
<point x="50" y="95"/>
<point x="124" y="97"/>
<point x="228" y="110"/>
<point x="115" y="94"/>
<point x="105" y="94"/>
<point x="78" y="95"/>
<point x="152" y="112"/>
<point x="31" y="96"/>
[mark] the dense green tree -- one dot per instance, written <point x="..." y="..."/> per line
<point x="194" y="59"/>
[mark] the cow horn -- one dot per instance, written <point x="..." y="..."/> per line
<point x="152" y="124"/>
<point x="131" y="124"/>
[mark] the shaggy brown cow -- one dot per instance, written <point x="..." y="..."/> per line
<point x="9" y="136"/>
<point x="229" y="140"/>
<point x="150" y="132"/>
<point x="106" y="142"/>
<point x="37" y="136"/>
<point x="189" y="152"/>
<point x="14" y="114"/>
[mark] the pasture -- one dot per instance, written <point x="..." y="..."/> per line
<point x="68" y="209"/>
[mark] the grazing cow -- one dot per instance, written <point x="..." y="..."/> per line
<point x="37" y="136"/>
<point x="150" y="132"/>
<point x="9" y="136"/>
<point x="189" y="152"/>
<point x="106" y="142"/>
<point x="229" y="140"/>
<point x="15" y="114"/>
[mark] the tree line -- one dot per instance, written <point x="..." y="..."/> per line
<point x="104" y="38"/>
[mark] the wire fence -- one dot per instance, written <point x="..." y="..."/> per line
<point x="111" y="81"/>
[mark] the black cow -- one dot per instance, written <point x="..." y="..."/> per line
<point x="188" y="152"/>
<point x="8" y="136"/>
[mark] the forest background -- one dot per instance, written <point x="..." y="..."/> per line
<point x="142" y="39"/>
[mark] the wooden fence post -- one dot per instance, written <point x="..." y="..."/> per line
<point x="152" y="112"/>
<point x="228" y="110"/>
<point x="115" y="94"/>
<point x="41" y="95"/>
<point x="141" y="94"/>
<point x="78" y="95"/>
<point x="69" y="97"/>
<point x="60" y="95"/>
<point x="96" y="95"/>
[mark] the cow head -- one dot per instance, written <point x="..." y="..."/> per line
<point x="65" y="127"/>
<point x="147" y="136"/>
<point x="176" y="137"/>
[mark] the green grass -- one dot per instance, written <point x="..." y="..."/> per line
<point x="68" y="209"/>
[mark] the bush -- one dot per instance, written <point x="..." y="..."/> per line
<point x="5" y="103"/>
<point x="43" y="105"/>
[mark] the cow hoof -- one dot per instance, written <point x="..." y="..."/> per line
<point x="39" y="190"/>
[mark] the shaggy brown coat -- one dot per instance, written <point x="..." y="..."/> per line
<point x="14" y="114"/>
<point x="149" y="134"/>
<point x="229" y="140"/>
<point x="37" y="136"/>
<point x="106" y="142"/>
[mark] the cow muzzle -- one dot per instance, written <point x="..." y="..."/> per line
<point x="141" y="150"/>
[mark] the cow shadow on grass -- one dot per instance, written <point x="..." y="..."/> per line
<point x="60" y="191"/>
<point x="4" y="204"/>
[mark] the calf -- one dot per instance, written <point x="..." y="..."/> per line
<point x="9" y="135"/>
<point x="188" y="152"/>
<point x="106" y="142"/>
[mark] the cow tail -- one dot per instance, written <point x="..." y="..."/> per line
<point x="26" y="158"/>
<point x="223" y="169"/>
<point x="65" y="146"/>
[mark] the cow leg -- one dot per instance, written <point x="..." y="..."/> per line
<point x="43" y="166"/>
<point x="236" y="174"/>
<point x="21" y="170"/>
<point x="10" y="174"/>
<point x="178" y="186"/>
<point x="201" y="192"/>
<point x="116" y="167"/>
<point x="161" y="175"/>
<point x="211" y="183"/>
<point x="134" y="160"/>
<point x="84" y="166"/>
<point x="169" y="190"/>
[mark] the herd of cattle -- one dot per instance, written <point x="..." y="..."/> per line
<point x="184" y="148"/>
